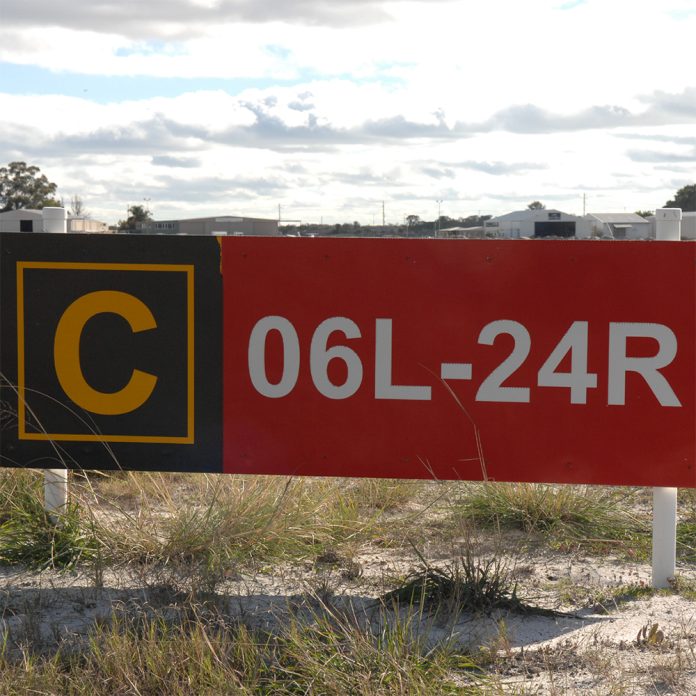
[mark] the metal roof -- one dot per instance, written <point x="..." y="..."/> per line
<point x="528" y="214"/>
<point x="613" y="218"/>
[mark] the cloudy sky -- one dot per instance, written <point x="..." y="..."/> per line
<point x="327" y="108"/>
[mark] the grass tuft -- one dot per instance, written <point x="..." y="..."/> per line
<point x="30" y="536"/>
<point x="569" y="516"/>
<point x="468" y="584"/>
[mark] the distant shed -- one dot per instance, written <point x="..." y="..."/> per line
<point x="620" y="225"/>
<point x="22" y="220"/>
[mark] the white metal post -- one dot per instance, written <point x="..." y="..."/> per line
<point x="55" y="480"/>
<point x="55" y="491"/>
<point x="664" y="540"/>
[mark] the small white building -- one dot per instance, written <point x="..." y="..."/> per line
<point x="22" y="220"/>
<point x="536" y="223"/>
<point x="688" y="226"/>
<point x="620" y="226"/>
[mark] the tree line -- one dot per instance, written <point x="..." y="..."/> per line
<point x="23" y="186"/>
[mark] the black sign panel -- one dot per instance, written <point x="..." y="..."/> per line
<point x="99" y="339"/>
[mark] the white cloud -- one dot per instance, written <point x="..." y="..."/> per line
<point x="485" y="105"/>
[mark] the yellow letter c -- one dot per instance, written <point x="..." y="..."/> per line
<point x="66" y="352"/>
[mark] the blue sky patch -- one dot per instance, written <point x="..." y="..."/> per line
<point x="28" y="79"/>
<point x="151" y="48"/>
<point x="104" y="89"/>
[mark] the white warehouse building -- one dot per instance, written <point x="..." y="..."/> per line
<point x="537" y="223"/>
<point x="220" y="225"/>
<point x="555" y="223"/>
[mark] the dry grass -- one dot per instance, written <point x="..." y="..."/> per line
<point x="229" y="519"/>
<point x="202" y="653"/>
<point x="198" y="529"/>
<point x="569" y="516"/>
<point x="190" y="533"/>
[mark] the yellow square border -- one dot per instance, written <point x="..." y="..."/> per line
<point x="187" y="439"/>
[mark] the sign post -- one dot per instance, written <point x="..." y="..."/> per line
<point x="55" y="480"/>
<point x="55" y="492"/>
<point x="664" y="539"/>
<point x="664" y="536"/>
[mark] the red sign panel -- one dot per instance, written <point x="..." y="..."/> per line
<point x="552" y="361"/>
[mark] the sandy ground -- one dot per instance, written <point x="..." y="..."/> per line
<point x="600" y="649"/>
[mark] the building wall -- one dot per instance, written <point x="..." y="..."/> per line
<point x="585" y="229"/>
<point x="11" y="221"/>
<point x="80" y="224"/>
<point x="514" y="229"/>
<point x="86" y="225"/>
<point x="224" y="225"/>
<point x="688" y="226"/>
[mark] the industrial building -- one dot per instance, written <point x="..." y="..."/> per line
<point x="536" y="223"/>
<point x="221" y="225"/>
<point x="541" y="223"/>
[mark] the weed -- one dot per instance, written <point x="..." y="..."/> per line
<point x="650" y="636"/>
<point x="468" y="584"/>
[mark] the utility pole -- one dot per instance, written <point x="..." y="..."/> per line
<point x="383" y="214"/>
<point x="584" y="198"/>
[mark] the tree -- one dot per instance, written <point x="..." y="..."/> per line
<point x="77" y="207"/>
<point x="137" y="216"/>
<point x="536" y="205"/>
<point x="473" y="220"/>
<point x="684" y="198"/>
<point x="22" y="187"/>
<point x="645" y="213"/>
